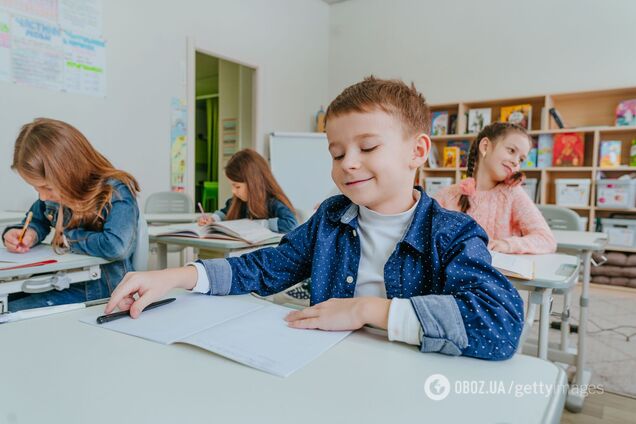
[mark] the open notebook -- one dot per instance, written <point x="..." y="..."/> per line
<point x="516" y="266"/>
<point x="240" y="229"/>
<point x="252" y="333"/>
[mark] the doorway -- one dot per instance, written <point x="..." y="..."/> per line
<point x="223" y="122"/>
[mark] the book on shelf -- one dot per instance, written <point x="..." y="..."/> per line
<point x="452" y="123"/>
<point x="626" y="113"/>
<point x="632" y="153"/>
<point x="478" y="119"/>
<point x="464" y="147"/>
<point x="517" y="114"/>
<point x="439" y="123"/>
<point x="433" y="157"/>
<point x="247" y="230"/>
<point x="515" y="266"/>
<point x="544" y="151"/>
<point x="531" y="159"/>
<point x="568" y="149"/>
<point x="610" y="153"/>
<point x="451" y="157"/>
<point x="558" y="120"/>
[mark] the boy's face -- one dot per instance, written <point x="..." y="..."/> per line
<point x="373" y="161"/>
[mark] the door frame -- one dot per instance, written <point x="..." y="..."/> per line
<point x="192" y="47"/>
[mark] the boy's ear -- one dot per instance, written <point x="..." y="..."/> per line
<point x="421" y="149"/>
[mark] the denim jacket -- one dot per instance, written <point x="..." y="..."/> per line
<point x="464" y="305"/>
<point x="281" y="218"/>
<point x="116" y="241"/>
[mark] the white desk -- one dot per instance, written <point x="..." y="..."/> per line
<point x="552" y="271"/>
<point x="100" y="376"/>
<point x="585" y="243"/>
<point x="224" y="247"/>
<point x="171" y="218"/>
<point x="71" y="267"/>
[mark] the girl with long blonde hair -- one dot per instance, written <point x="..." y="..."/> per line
<point x="90" y="204"/>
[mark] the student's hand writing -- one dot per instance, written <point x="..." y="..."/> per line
<point x="342" y="314"/>
<point x="499" y="246"/>
<point x="12" y="236"/>
<point x="205" y="220"/>
<point x="149" y="286"/>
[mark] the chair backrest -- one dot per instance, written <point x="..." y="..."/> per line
<point x="140" y="256"/>
<point x="169" y="202"/>
<point x="561" y="218"/>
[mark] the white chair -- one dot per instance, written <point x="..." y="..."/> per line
<point x="170" y="202"/>
<point x="140" y="256"/>
<point x="562" y="218"/>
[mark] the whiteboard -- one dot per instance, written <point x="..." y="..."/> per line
<point x="301" y="164"/>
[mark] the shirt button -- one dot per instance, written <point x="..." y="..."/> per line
<point x="349" y="279"/>
<point x="354" y="233"/>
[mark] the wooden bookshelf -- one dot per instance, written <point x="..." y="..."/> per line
<point x="591" y="113"/>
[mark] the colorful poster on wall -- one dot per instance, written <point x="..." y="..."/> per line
<point x="84" y="64"/>
<point x="81" y="16"/>
<point x="41" y="9"/>
<point x="5" y="47"/>
<point x="178" y="151"/>
<point x="36" y="53"/>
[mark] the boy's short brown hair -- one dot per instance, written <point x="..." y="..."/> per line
<point x="391" y="96"/>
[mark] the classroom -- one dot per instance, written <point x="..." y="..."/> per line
<point x="241" y="210"/>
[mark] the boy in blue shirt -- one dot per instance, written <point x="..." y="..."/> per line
<point x="383" y="253"/>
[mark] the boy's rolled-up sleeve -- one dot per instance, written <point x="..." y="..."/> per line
<point x="479" y="312"/>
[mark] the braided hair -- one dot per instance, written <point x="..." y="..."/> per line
<point x="493" y="132"/>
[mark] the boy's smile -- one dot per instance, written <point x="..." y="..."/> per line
<point x="374" y="162"/>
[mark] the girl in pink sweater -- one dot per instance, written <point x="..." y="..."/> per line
<point x="493" y="196"/>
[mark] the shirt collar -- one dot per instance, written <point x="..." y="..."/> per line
<point x="346" y="212"/>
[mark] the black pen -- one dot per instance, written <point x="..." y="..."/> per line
<point x="117" y="315"/>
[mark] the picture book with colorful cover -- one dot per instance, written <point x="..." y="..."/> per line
<point x="478" y="119"/>
<point x="569" y="149"/>
<point x="517" y="114"/>
<point x="611" y="153"/>
<point x="626" y="113"/>
<point x="464" y="147"/>
<point x="544" y="151"/>
<point x="451" y="157"/>
<point x="531" y="159"/>
<point x="439" y="123"/>
<point x="452" y="123"/>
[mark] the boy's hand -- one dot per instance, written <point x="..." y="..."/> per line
<point x="150" y="286"/>
<point x="342" y="314"/>
<point x="499" y="246"/>
<point x="12" y="236"/>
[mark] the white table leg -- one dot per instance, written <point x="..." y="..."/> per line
<point x="544" y="324"/>
<point x="565" y="320"/>
<point x="576" y="396"/>
<point x="162" y="255"/>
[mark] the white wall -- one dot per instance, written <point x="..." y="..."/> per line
<point x="146" y="56"/>
<point x="470" y="50"/>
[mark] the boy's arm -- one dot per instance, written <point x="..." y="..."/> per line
<point x="117" y="238"/>
<point x="479" y="313"/>
<point x="265" y="271"/>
